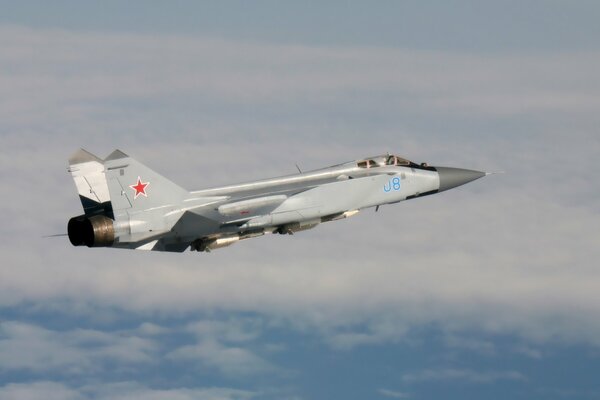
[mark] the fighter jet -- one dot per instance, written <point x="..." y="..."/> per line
<point x="128" y="205"/>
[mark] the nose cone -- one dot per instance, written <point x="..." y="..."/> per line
<point x="453" y="177"/>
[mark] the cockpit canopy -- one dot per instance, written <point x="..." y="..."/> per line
<point x="367" y="164"/>
<point x="380" y="161"/>
<point x="396" y="160"/>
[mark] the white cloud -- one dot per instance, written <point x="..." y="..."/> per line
<point x="150" y="329"/>
<point x="393" y="394"/>
<point x="134" y="390"/>
<point x="93" y="76"/>
<point x="507" y="254"/>
<point x="378" y="331"/>
<point x="218" y="346"/>
<point x="228" y="360"/>
<point x="222" y="345"/>
<point x="470" y="376"/>
<point x="529" y="351"/>
<point x="484" y="347"/>
<point x="33" y="348"/>
<point x="231" y="330"/>
<point x="43" y="390"/>
<point x="48" y="390"/>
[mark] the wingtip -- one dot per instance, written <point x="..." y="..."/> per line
<point x="494" y="173"/>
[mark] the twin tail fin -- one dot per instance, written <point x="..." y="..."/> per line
<point x="120" y="184"/>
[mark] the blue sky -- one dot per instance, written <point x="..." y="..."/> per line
<point x="487" y="291"/>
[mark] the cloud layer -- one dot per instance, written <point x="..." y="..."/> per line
<point x="517" y="244"/>
<point x="510" y="254"/>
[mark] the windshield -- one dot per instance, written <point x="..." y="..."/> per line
<point x="395" y="160"/>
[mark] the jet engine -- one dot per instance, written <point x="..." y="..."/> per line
<point x="95" y="231"/>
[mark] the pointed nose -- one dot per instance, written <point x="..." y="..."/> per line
<point x="453" y="177"/>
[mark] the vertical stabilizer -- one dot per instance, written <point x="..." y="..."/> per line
<point x="87" y="171"/>
<point x="134" y="187"/>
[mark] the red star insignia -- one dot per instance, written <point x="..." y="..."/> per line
<point x="139" y="188"/>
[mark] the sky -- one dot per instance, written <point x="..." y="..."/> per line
<point x="490" y="290"/>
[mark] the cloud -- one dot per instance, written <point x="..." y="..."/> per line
<point x="48" y="390"/>
<point x="231" y="330"/>
<point x="377" y="331"/>
<point x="30" y="347"/>
<point x="119" y="80"/>
<point x="507" y="254"/>
<point x="465" y="375"/>
<point x="393" y="394"/>
<point x="134" y="390"/>
<point x="218" y="346"/>
<point x="42" y="390"/>
<point x="529" y="351"/>
<point x="150" y="329"/>
<point x="225" y="346"/>
<point x="480" y="346"/>
<point x="228" y="360"/>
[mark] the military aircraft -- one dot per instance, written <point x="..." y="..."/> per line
<point x="127" y="205"/>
